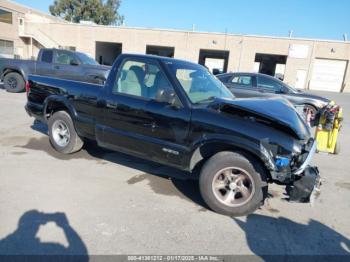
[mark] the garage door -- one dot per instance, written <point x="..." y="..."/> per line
<point x="328" y="75"/>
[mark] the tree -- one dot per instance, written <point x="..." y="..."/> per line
<point x="102" y="12"/>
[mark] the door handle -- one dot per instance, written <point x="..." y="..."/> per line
<point x="111" y="106"/>
<point x="57" y="67"/>
<point x="152" y="125"/>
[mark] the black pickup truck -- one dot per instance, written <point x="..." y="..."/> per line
<point x="54" y="63"/>
<point x="176" y="113"/>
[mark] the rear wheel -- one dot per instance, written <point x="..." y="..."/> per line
<point x="63" y="136"/>
<point x="232" y="184"/>
<point x="14" y="83"/>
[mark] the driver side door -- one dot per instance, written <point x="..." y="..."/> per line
<point x="63" y="65"/>
<point x="267" y="86"/>
<point x="143" y="115"/>
<point x="170" y="121"/>
<point x="243" y="86"/>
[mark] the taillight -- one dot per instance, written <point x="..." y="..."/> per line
<point x="27" y="87"/>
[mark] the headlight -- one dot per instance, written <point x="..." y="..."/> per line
<point x="297" y="149"/>
<point x="282" y="162"/>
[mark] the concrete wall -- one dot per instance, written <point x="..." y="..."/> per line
<point x="188" y="44"/>
<point x="10" y="31"/>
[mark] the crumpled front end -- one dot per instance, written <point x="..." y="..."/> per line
<point x="307" y="188"/>
<point x="307" y="181"/>
<point x="302" y="181"/>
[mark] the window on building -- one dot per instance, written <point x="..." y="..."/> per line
<point x="5" y="16"/>
<point x="6" y="48"/>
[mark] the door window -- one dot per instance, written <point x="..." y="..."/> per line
<point x="144" y="79"/>
<point x="47" y="56"/>
<point x="63" y="58"/>
<point x="269" y="84"/>
<point x="243" y="81"/>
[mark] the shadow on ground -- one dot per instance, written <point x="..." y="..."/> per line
<point x="24" y="241"/>
<point x="282" y="236"/>
<point x="161" y="179"/>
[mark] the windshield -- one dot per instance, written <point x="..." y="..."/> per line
<point x="199" y="85"/>
<point x="86" y="60"/>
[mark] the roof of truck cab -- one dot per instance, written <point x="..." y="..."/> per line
<point x="159" y="58"/>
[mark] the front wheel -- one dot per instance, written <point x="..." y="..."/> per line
<point x="233" y="185"/>
<point x="310" y="113"/>
<point x="63" y="136"/>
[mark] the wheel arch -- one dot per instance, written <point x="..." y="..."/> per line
<point x="310" y="103"/>
<point x="54" y="104"/>
<point x="205" y="151"/>
<point x="13" y="70"/>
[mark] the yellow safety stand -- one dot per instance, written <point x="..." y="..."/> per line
<point x="328" y="128"/>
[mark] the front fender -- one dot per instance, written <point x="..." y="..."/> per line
<point x="208" y="146"/>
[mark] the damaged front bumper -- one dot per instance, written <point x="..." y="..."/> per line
<point x="307" y="188"/>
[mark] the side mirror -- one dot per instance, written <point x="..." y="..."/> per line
<point x="74" y="62"/>
<point x="216" y="71"/>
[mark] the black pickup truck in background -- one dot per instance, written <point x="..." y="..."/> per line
<point x="57" y="63"/>
<point x="178" y="114"/>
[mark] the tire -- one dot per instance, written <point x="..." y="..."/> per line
<point x="310" y="108"/>
<point x="14" y="83"/>
<point x="63" y="136"/>
<point x="244" y="168"/>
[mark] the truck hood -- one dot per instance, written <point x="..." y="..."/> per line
<point x="275" y="112"/>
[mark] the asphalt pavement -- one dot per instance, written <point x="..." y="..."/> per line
<point x="102" y="202"/>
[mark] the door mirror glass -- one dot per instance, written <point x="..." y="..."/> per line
<point x="74" y="62"/>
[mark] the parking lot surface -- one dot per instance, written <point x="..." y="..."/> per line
<point x="102" y="202"/>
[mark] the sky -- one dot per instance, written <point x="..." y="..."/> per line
<point x="323" y="19"/>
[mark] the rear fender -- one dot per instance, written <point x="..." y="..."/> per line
<point x="14" y="69"/>
<point x="55" y="103"/>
